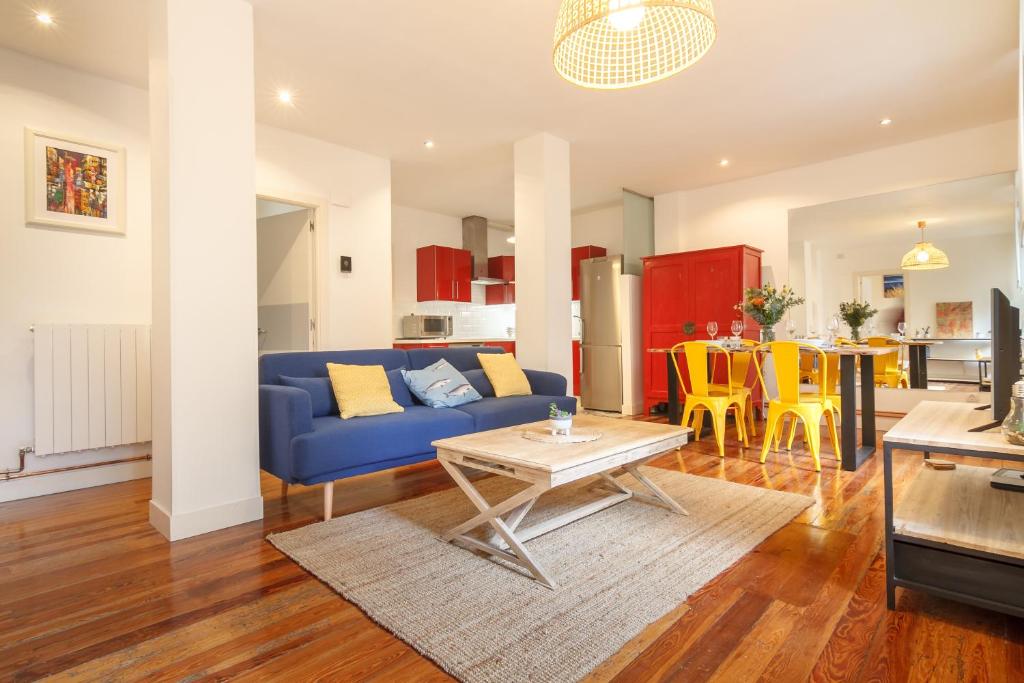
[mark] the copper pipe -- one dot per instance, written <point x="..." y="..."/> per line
<point x="6" y="476"/>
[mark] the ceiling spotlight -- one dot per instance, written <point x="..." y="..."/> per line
<point x="723" y="163"/>
<point x="429" y="144"/>
<point x="284" y="96"/>
<point x="511" y="239"/>
<point x="44" y="18"/>
<point x="885" y="122"/>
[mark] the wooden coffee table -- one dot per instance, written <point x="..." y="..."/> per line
<point x="624" y="446"/>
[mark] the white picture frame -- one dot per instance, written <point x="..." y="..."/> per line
<point x="92" y="200"/>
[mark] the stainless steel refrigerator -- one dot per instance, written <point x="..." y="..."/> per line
<point x="601" y="366"/>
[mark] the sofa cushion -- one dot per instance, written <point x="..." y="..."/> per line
<point x="478" y="378"/>
<point x="336" y="444"/>
<point x="362" y="390"/>
<point x="440" y="385"/>
<point x="493" y="413"/>
<point x="320" y="393"/>
<point x="461" y="357"/>
<point x="505" y="375"/>
<point x="399" y="391"/>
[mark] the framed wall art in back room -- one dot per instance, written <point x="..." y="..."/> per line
<point x="74" y="183"/>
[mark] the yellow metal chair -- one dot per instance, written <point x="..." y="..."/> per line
<point x="809" y="408"/>
<point x="808" y="373"/>
<point x="740" y="375"/>
<point x="830" y="379"/>
<point x="889" y="370"/>
<point x="702" y="395"/>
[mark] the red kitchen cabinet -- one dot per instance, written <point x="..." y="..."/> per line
<point x="502" y="268"/>
<point x="500" y="294"/>
<point x="578" y="254"/>
<point x="443" y="274"/>
<point x="575" y="367"/>
<point x="422" y="345"/>
<point x="691" y="287"/>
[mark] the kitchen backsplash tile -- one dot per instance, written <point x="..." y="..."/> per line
<point x="473" y="320"/>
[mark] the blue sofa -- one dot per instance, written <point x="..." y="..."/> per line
<point x="303" y="440"/>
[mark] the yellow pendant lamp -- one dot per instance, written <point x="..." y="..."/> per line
<point x="612" y="44"/>
<point x="924" y="255"/>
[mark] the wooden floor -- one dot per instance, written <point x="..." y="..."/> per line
<point x="89" y="591"/>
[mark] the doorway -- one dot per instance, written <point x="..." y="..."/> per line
<point x="886" y="291"/>
<point x="285" y="276"/>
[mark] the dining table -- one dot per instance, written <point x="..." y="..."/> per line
<point x="852" y="454"/>
<point x="917" y="350"/>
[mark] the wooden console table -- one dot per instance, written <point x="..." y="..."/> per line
<point x="952" y="534"/>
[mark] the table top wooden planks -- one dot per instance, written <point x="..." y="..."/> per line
<point x="941" y="424"/>
<point x="959" y="507"/>
<point x="622" y="440"/>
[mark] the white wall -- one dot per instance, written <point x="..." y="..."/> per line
<point x="601" y="227"/>
<point x="354" y="308"/>
<point x="755" y="210"/>
<point x="57" y="276"/>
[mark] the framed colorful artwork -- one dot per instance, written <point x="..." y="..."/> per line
<point x="892" y="286"/>
<point x="954" y="320"/>
<point x="73" y="183"/>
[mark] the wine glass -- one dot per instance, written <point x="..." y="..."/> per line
<point x="737" y="328"/>
<point x="712" y="329"/>
<point x="901" y="328"/>
<point x="833" y="327"/>
<point x="791" y="328"/>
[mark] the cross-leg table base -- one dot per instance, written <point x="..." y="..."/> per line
<point x="505" y="517"/>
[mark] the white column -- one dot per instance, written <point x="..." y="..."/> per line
<point x="202" y="128"/>
<point x="543" y="224"/>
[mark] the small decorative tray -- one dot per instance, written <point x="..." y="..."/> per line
<point x="575" y="436"/>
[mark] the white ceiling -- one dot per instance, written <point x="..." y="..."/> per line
<point x="787" y="83"/>
<point x="962" y="208"/>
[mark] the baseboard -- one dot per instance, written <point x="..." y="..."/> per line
<point x="58" y="482"/>
<point x="196" y="522"/>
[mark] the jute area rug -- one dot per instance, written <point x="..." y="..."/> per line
<point x="482" y="620"/>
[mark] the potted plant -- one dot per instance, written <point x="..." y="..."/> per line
<point x="855" y="314"/>
<point x="560" y="420"/>
<point x="767" y="306"/>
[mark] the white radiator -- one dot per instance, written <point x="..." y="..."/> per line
<point x="92" y="387"/>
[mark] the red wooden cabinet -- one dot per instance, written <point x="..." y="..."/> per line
<point x="499" y="294"/>
<point x="502" y="268"/>
<point x="578" y="254"/>
<point x="691" y="287"/>
<point x="443" y="274"/>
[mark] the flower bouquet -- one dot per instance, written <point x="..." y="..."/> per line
<point x="767" y="306"/>
<point x="855" y="314"/>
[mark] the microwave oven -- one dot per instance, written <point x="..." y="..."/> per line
<point x="426" y="326"/>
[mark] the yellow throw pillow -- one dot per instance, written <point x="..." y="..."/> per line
<point x="362" y="390"/>
<point x="507" y="378"/>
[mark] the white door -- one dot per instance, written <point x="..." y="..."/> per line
<point x="284" y="276"/>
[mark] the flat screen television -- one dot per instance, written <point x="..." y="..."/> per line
<point x="1005" y="352"/>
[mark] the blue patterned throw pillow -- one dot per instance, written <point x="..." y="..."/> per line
<point x="440" y="385"/>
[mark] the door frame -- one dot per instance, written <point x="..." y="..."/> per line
<point x="883" y="272"/>
<point x="318" y="251"/>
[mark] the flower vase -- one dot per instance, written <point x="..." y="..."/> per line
<point x="855" y="334"/>
<point x="767" y="333"/>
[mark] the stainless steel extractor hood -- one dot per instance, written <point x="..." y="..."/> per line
<point x="474" y="240"/>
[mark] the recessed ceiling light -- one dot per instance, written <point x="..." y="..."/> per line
<point x="885" y="122"/>
<point x="429" y="144"/>
<point x="44" y="18"/>
<point x="511" y="239"/>
<point x="284" y="96"/>
<point x="723" y="163"/>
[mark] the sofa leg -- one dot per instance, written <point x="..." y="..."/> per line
<point x="284" y="489"/>
<point x="328" y="500"/>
